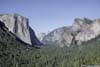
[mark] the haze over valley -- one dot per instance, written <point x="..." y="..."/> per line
<point x="49" y="33"/>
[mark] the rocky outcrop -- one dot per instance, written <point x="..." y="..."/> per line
<point x="60" y="37"/>
<point x="40" y="36"/>
<point x="91" y="31"/>
<point x="34" y="39"/>
<point x="82" y="30"/>
<point x="19" y="25"/>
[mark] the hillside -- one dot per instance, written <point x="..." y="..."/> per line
<point x="15" y="53"/>
<point x="82" y="30"/>
<point x="19" y="25"/>
<point x="11" y="47"/>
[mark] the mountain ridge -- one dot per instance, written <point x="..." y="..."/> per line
<point x="82" y="30"/>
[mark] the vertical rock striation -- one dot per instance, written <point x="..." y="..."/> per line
<point x="59" y="37"/>
<point x="82" y="30"/>
<point x="18" y="25"/>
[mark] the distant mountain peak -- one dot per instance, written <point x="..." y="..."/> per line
<point x="82" y="30"/>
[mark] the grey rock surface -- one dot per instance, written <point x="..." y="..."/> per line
<point x="40" y="36"/>
<point x="81" y="26"/>
<point x="60" y="37"/>
<point x="18" y="25"/>
<point x="82" y="30"/>
<point x="88" y="31"/>
<point x="34" y="39"/>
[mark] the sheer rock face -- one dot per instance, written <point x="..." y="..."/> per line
<point x="82" y="30"/>
<point x="80" y="24"/>
<point x="18" y="25"/>
<point x="34" y="39"/>
<point x="40" y="36"/>
<point x="59" y="37"/>
<point x="88" y="31"/>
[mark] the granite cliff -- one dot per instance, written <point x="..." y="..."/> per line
<point x="40" y="36"/>
<point x="61" y="36"/>
<point x="19" y="25"/>
<point x="82" y="30"/>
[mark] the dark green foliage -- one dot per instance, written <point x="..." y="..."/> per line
<point x="88" y="21"/>
<point x="14" y="53"/>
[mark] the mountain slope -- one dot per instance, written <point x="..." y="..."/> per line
<point x="15" y="53"/>
<point x="82" y="30"/>
<point x="61" y="37"/>
<point x="10" y="47"/>
<point x="40" y="36"/>
<point x="19" y="25"/>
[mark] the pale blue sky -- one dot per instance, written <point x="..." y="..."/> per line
<point x="46" y="15"/>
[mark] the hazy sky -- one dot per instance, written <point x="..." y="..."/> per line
<point x="46" y="15"/>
